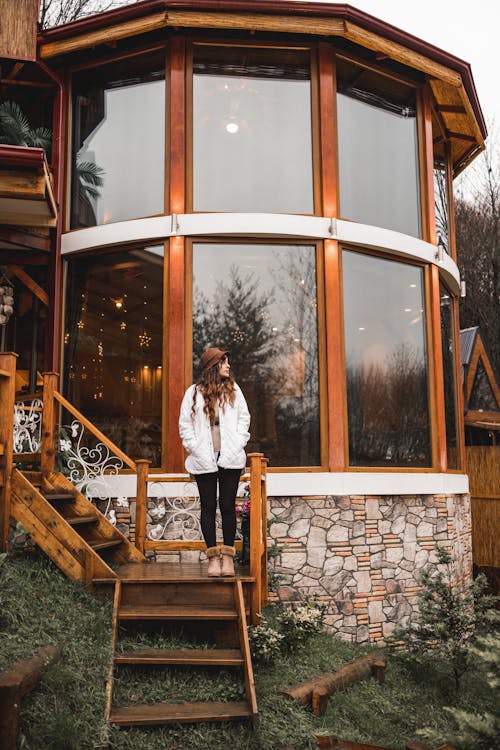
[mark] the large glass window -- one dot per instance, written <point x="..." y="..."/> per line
<point x="252" y="143"/>
<point x="448" y="345"/>
<point x="118" y="141"/>
<point x="260" y="302"/>
<point x="441" y="205"/>
<point x="378" y="154"/>
<point x="386" y="362"/>
<point x="113" y="346"/>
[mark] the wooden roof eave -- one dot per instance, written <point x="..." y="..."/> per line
<point x="452" y="87"/>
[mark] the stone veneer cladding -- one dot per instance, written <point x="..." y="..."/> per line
<point x="361" y="555"/>
<point x="358" y="554"/>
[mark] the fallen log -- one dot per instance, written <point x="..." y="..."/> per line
<point x="327" y="683"/>
<point x="15" y="682"/>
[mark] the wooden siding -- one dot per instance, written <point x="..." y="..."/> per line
<point x="483" y="468"/>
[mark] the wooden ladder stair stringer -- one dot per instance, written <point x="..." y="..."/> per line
<point x="68" y="527"/>
<point x="245" y="650"/>
<point x="156" y="607"/>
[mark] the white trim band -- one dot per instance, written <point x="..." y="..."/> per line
<point x="305" y="484"/>
<point x="272" y="226"/>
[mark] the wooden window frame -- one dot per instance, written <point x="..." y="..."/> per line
<point x="374" y="68"/>
<point x="312" y="48"/>
<point x="430" y="365"/>
<point x="457" y="383"/>
<point x="320" y="311"/>
<point x="166" y="328"/>
<point x="108" y="60"/>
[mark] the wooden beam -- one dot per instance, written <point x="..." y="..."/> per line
<point x="436" y="363"/>
<point x="104" y="36"/>
<point x="7" y="398"/>
<point x="257" y="22"/>
<point x="22" y="184"/>
<point x="401" y="54"/>
<point x="25" y="239"/>
<point x="176" y="350"/>
<point x="451" y="108"/>
<point x="337" y="419"/>
<point x="460" y="136"/>
<point x="16" y="68"/>
<point x="329" y="157"/>
<point x="31" y="284"/>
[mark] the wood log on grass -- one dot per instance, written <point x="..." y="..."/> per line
<point x="16" y="681"/>
<point x="327" y="683"/>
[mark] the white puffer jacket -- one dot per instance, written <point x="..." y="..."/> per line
<point x="196" y="434"/>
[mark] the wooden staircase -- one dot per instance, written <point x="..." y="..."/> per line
<point x="162" y="593"/>
<point x="68" y="527"/>
<point x="86" y="546"/>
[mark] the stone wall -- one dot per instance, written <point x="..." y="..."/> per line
<point x="361" y="555"/>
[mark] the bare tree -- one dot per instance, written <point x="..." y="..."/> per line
<point x="57" y="12"/>
<point x="477" y="209"/>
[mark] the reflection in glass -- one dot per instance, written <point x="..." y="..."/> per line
<point x="447" y="339"/>
<point x="386" y="362"/>
<point x="378" y="150"/>
<point x="441" y="205"/>
<point x="118" y="141"/>
<point x="252" y="144"/>
<point x="113" y="346"/>
<point x="260" y="302"/>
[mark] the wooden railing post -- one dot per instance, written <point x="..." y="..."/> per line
<point x="263" y="562"/>
<point x="141" y="499"/>
<point x="7" y="398"/>
<point x="255" y="533"/>
<point x="48" y="454"/>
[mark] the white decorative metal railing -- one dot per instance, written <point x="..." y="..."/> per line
<point x="28" y="426"/>
<point x="88" y="465"/>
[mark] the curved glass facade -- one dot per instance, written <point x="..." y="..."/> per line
<point x="295" y="322"/>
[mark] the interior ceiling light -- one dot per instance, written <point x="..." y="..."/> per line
<point x="232" y="127"/>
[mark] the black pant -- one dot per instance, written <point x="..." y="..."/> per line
<point x="228" y="486"/>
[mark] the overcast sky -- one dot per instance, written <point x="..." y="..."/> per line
<point x="469" y="30"/>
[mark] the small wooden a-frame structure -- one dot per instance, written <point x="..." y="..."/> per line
<point x="481" y="391"/>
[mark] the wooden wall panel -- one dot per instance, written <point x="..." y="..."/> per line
<point x="18" y="20"/>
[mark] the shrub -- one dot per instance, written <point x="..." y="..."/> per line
<point x="449" y="617"/>
<point x="298" y="625"/>
<point x="265" y="642"/>
<point x="293" y="629"/>
<point x="477" y="730"/>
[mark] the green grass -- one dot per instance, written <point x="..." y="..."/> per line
<point x="39" y="606"/>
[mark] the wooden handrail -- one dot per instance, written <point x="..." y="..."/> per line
<point x="95" y="431"/>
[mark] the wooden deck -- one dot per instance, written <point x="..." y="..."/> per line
<point x="172" y="572"/>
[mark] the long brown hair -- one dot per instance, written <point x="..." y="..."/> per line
<point x="215" y="391"/>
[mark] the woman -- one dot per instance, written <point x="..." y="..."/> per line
<point x="213" y="425"/>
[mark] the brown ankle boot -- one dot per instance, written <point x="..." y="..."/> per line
<point x="213" y="554"/>
<point x="227" y="560"/>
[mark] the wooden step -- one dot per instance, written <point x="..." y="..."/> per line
<point x="35" y="477"/>
<point x="80" y="520"/>
<point x="223" y="657"/>
<point x="105" y="543"/>
<point x="56" y="496"/>
<point x="171" y="713"/>
<point x="176" y="612"/>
